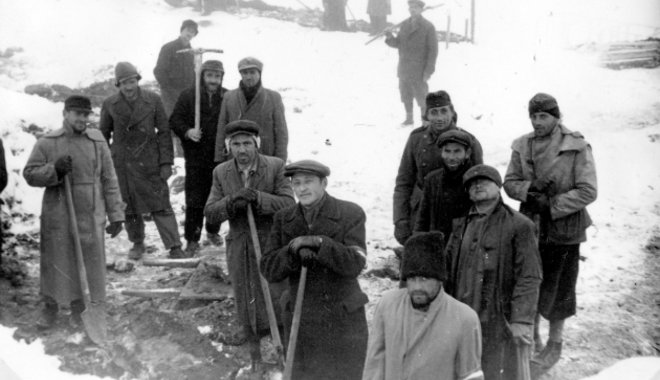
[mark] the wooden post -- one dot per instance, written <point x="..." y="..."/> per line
<point x="472" y="18"/>
<point x="465" y="32"/>
<point x="447" y="36"/>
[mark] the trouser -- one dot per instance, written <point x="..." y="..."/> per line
<point x="378" y="23"/>
<point x="51" y="306"/>
<point x="498" y="358"/>
<point x="165" y="223"/>
<point x="561" y="264"/>
<point x="169" y="96"/>
<point x="194" y="222"/>
<point x="413" y="89"/>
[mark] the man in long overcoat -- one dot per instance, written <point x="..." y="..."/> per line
<point x="82" y="154"/>
<point x="252" y="101"/>
<point x="134" y="124"/>
<point x="3" y="184"/>
<point x="418" y="50"/>
<point x="378" y="11"/>
<point x="256" y="180"/>
<point x="327" y="235"/>
<point x="199" y="150"/>
<point x="495" y="269"/>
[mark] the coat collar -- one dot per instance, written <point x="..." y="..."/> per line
<point x="259" y="171"/>
<point x="329" y="210"/>
<point x="141" y="108"/>
<point x="92" y="134"/>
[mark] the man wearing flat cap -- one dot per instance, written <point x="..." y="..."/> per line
<point x="494" y="267"/>
<point x="199" y="150"/>
<point x="417" y="43"/>
<point x="552" y="172"/>
<point x="327" y="236"/>
<point x="81" y="154"/>
<point x="421" y="332"/>
<point x="134" y="124"/>
<point x="252" y="101"/>
<point x="249" y="178"/>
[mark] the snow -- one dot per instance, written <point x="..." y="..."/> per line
<point x="343" y="105"/>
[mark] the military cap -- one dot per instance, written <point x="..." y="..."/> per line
<point x="189" y="24"/>
<point x="418" y="3"/>
<point x="424" y="255"/>
<point x="125" y="70"/>
<point x="250" y="63"/>
<point x="236" y="127"/>
<point x="482" y="171"/>
<point x="212" y="64"/>
<point x="77" y="103"/>
<point x="437" y="99"/>
<point x="544" y="103"/>
<point x="307" y="166"/>
<point x="456" y="136"/>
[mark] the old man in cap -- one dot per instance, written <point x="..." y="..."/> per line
<point x="495" y="269"/>
<point x="326" y="235"/>
<point x="248" y="183"/>
<point x="80" y="155"/>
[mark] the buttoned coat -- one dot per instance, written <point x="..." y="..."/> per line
<point x="140" y="142"/>
<point x="418" y="49"/>
<point x="175" y="71"/>
<point x="95" y="195"/>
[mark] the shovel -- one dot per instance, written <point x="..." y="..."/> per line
<point x="93" y="316"/>
<point x="295" y="325"/>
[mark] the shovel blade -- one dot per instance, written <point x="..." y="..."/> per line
<point x="95" y="324"/>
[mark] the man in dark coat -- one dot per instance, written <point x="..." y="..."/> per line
<point x="445" y="197"/>
<point x="257" y="180"/>
<point x="422" y="155"/>
<point x="334" y="15"/>
<point x="251" y="101"/>
<point x="418" y="50"/>
<point x="3" y="184"/>
<point x="134" y="124"/>
<point x="199" y="150"/>
<point x="495" y="268"/>
<point x="82" y="154"/>
<point x="378" y="11"/>
<point x="327" y="235"/>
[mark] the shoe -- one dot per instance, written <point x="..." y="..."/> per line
<point x="409" y="119"/>
<point x="177" y="253"/>
<point x="214" y="239"/>
<point x="48" y="316"/>
<point x="548" y="357"/>
<point x="136" y="252"/>
<point x="192" y="248"/>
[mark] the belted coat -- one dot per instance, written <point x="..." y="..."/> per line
<point x="418" y="49"/>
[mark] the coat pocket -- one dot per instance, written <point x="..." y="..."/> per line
<point x="570" y="227"/>
<point x="354" y="302"/>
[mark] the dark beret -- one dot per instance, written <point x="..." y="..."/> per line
<point x="77" y="103"/>
<point x="544" y="103"/>
<point x="456" y="136"/>
<point x="307" y="166"/>
<point x="241" y="126"/>
<point x="482" y="171"/>
<point x="424" y="255"/>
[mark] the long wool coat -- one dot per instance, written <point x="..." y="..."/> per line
<point x="418" y="49"/>
<point x="267" y="110"/>
<point x="95" y="194"/>
<point x="333" y="332"/>
<point x="140" y="142"/>
<point x="379" y="7"/>
<point x="274" y="194"/>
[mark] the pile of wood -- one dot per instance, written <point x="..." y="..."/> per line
<point x="625" y="55"/>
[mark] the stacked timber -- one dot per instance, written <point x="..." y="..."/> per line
<point x="625" y="55"/>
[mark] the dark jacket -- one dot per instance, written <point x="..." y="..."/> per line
<point x="140" y="142"/>
<point x="333" y="333"/>
<point x="175" y="70"/>
<point x="3" y="184"/>
<point x="418" y="49"/>
<point x="379" y="7"/>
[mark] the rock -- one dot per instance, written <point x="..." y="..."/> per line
<point x="123" y="265"/>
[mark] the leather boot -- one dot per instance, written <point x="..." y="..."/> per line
<point x="192" y="248"/>
<point x="177" y="253"/>
<point x="214" y="239"/>
<point x="550" y="355"/>
<point x="409" y="119"/>
<point x="48" y="316"/>
<point x="136" y="252"/>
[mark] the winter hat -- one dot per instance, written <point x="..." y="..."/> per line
<point x="245" y="127"/>
<point x="213" y="65"/>
<point x="189" y="24"/>
<point x="424" y="255"/>
<point x="482" y="171"/>
<point x="307" y="166"/>
<point x="456" y="136"/>
<point x="544" y="103"/>
<point x="78" y="103"/>
<point x="250" y="63"/>
<point x="438" y="99"/>
<point x="418" y="3"/>
<point x="125" y="70"/>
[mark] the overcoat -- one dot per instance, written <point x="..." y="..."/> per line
<point x="418" y="49"/>
<point x="333" y="331"/>
<point x="267" y="110"/>
<point x="95" y="194"/>
<point x="274" y="194"/>
<point x="175" y="71"/>
<point x="140" y="141"/>
<point x="379" y="7"/>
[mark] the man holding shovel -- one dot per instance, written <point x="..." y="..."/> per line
<point x="247" y="190"/>
<point x="81" y="156"/>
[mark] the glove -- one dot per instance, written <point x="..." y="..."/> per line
<point x="307" y="256"/>
<point x="247" y="194"/>
<point x="308" y="241"/>
<point x="521" y="333"/>
<point x="114" y="228"/>
<point x="63" y="165"/>
<point x="165" y="171"/>
<point x="540" y="185"/>
<point x="538" y="203"/>
<point x="402" y="231"/>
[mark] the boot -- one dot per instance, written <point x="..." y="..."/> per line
<point x="48" y="316"/>
<point x="214" y="239"/>
<point x="136" y="252"/>
<point x="409" y="119"/>
<point x="548" y="357"/>
<point x="192" y="248"/>
<point x="177" y="253"/>
<point x="75" y="319"/>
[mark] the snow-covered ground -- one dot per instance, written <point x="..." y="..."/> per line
<point x="342" y="97"/>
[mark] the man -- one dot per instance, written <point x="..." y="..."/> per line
<point x="82" y="155"/>
<point x="496" y="270"/>
<point x="421" y="332"/>
<point x="251" y="101"/>
<point x="418" y="50"/>
<point x="378" y="11"/>
<point x="3" y="184"/>
<point x="422" y="155"/>
<point x="326" y="235"/>
<point x="199" y="150"/>
<point x="552" y="172"/>
<point x="134" y="124"/>
<point x="445" y="197"/>
<point x="256" y="180"/>
<point x="334" y="15"/>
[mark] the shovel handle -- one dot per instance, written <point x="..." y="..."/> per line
<point x="295" y="325"/>
<point x="82" y="272"/>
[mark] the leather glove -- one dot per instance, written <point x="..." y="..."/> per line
<point x="540" y="185"/>
<point x="165" y="171"/>
<point x="538" y="203"/>
<point x="521" y="333"/>
<point x="63" y="165"/>
<point x="247" y="194"/>
<point x="308" y="241"/>
<point x="402" y="231"/>
<point x="307" y="256"/>
<point x="114" y="228"/>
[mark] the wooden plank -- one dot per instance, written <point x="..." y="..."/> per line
<point x="172" y="263"/>
<point x="152" y="293"/>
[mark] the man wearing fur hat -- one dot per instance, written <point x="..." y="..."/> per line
<point x="496" y="270"/>
<point x="252" y="179"/>
<point x="199" y="150"/>
<point x="134" y="124"/>
<point x="421" y="332"/>
<point x="417" y="43"/>
<point x="422" y="155"/>
<point x="252" y="101"/>
<point x="326" y="235"/>
<point x="552" y="172"/>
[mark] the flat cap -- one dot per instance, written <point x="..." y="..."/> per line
<point x="482" y="171"/>
<point x="250" y="63"/>
<point x="78" y="103"/>
<point x="242" y="126"/>
<point x="190" y="24"/>
<point x="455" y="136"/>
<point x="307" y="166"/>
<point x="213" y="64"/>
<point x="418" y="3"/>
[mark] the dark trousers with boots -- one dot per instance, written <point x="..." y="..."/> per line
<point x="413" y="89"/>
<point x="194" y="222"/>
<point x="165" y="223"/>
